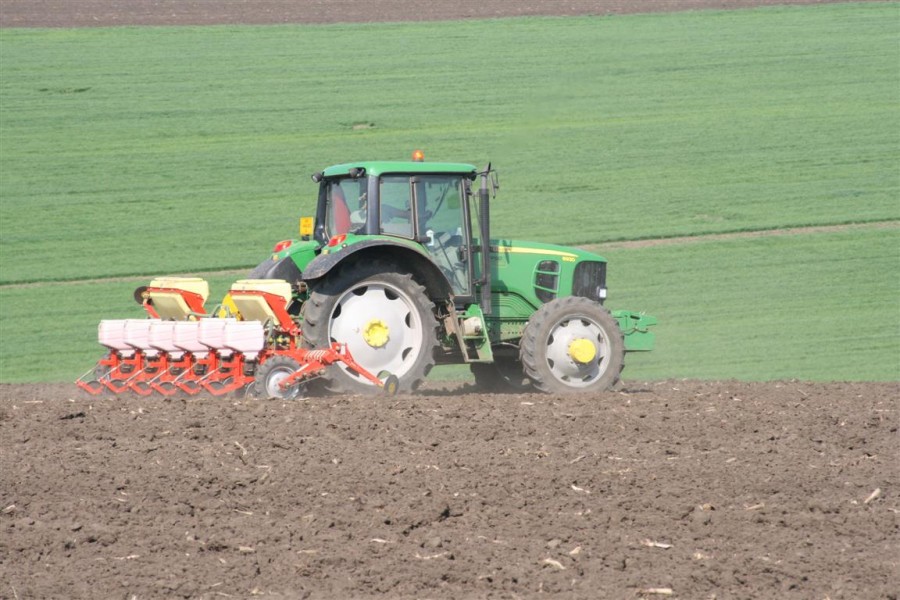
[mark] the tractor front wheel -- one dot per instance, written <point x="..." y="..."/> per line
<point x="572" y="344"/>
<point x="383" y="316"/>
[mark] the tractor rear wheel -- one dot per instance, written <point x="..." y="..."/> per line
<point x="383" y="316"/>
<point x="269" y="376"/>
<point x="572" y="344"/>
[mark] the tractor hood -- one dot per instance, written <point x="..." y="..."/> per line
<point x="539" y="273"/>
<point x="503" y="249"/>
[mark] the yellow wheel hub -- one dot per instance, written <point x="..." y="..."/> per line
<point x="376" y="333"/>
<point x="582" y="351"/>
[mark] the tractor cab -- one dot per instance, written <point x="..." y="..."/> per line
<point x="428" y="208"/>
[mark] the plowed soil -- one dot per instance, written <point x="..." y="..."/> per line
<point x="680" y="489"/>
<point x="668" y="489"/>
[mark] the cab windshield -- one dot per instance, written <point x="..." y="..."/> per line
<point x="420" y="204"/>
<point x="426" y="208"/>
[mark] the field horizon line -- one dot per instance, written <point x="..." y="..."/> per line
<point x="611" y="245"/>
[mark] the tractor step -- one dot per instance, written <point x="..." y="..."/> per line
<point x="470" y="330"/>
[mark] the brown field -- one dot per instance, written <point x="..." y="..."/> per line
<point x="97" y="13"/>
<point x="682" y="489"/>
<point x="710" y="490"/>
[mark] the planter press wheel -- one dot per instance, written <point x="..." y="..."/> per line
<point x="270" y="375"/>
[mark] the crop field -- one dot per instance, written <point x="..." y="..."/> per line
<point x="128" y="152"/>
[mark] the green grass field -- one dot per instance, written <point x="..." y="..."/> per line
<point x="139" y="151"/>
<point x="822" y="306"/>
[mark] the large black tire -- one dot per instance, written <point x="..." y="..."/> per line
<point x="503" y="376"/>
<point x="271" y="373"/>
<point x="571" y="345"/>
<point x="382" y="315"/>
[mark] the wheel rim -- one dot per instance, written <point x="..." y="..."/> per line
<point x="273" y="381"/>
<point x="381" y="327"/>
<point x="578" y="351"/>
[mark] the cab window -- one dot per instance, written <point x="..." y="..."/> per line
<point x="345" y="208"/>
<point x="396" y="195"/>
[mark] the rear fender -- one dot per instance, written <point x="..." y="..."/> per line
<point x="287" y="262"/>
<point x="635" y="327"/>
<point x="412" y="261"/>
<point x="278" y="268"/>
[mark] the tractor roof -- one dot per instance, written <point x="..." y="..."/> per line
<point x="381" y="167"/>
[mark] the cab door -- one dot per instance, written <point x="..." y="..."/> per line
<point x="441" y="227"/>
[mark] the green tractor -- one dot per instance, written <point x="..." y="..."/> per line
<point x="399" y="264"/>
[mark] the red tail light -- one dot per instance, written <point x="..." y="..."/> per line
<point x="337" y="240"/>
<point x="282" y="245"/>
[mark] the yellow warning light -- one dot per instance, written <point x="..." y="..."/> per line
<point x="418" y="156"/>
